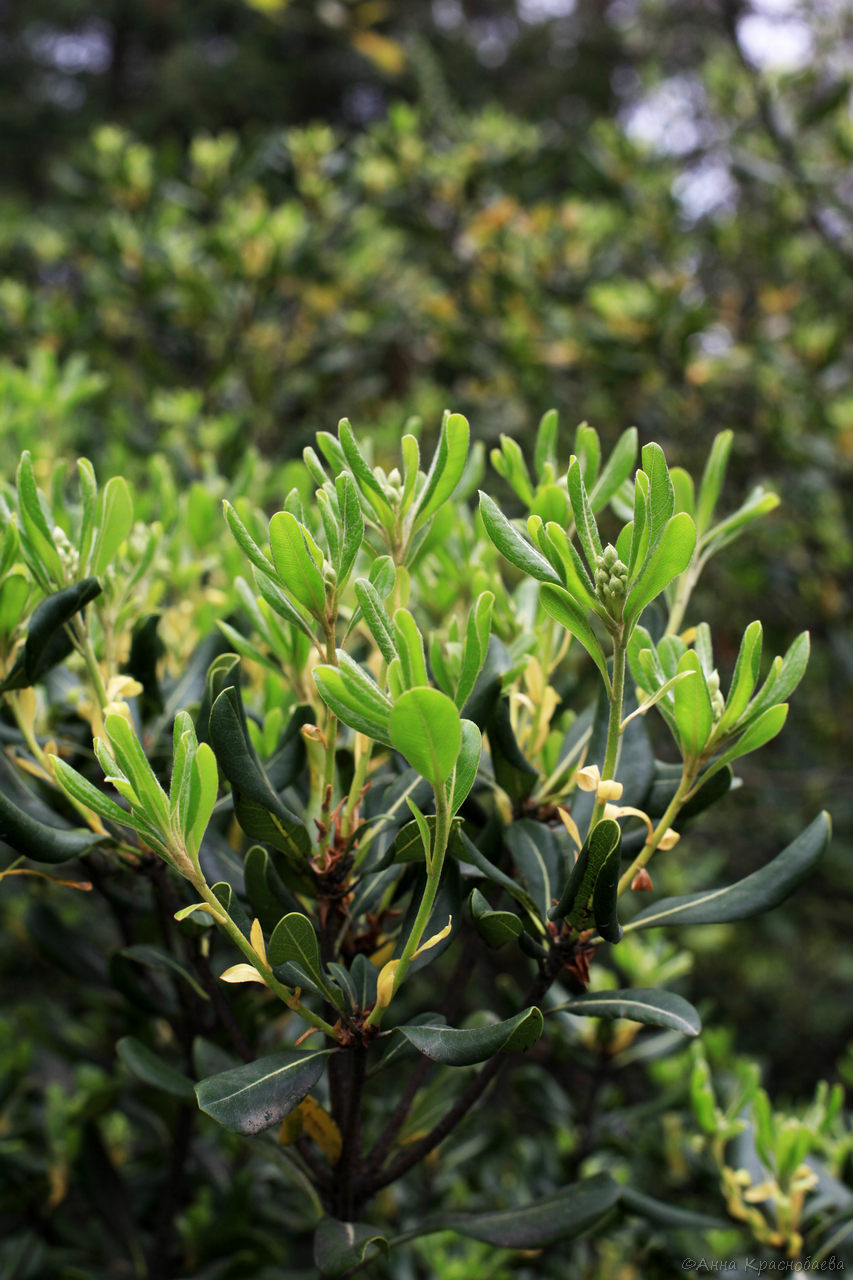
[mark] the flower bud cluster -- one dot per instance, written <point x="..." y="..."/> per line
<point x="69" y="555"/>
<point x="718" y="702"/>
<point x="611" y="578"/>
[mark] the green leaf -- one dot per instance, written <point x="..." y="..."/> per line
<point x="785" y="674"/>
<point x="81" y="790"/>
<point x="413" y="839"/>
<point x="341" y="1247"/>
<point x="411" y="466"/>
<point x="364" y="477"/>
<point x="294" y="941"/>
<point x="253" y="1097"/>
<point x="475" y="646"/>
<point x="446" y="469"/>
<point x="570" y="1211"/>
<point x="351" y="704"/>
<point x="759" y="503"/>
<point x="615" y="471"/>
<point x="605" y="895"/>
<point x="158" y="958"/>
<point x="576" y="896"/>
<point x="279" y="603"/>
<point x="14" y="593"/>
<point x="467" y="764"/>
<point x="47" y="642"/>
<point x="745" y="676"/>
<point x="639" y="1004"/>
<point x="115" y="521"/>
<point x="584" y="519"/>
<point x="752" y="896"/>
<point x="512" y="545"/>
<point x="410" y="647"/>
<point x="425" y="727"/>
<point x="37" y="840"/>
<point x="148" y="1067"/>
<point x="685" y="495"/>
<point x="376" y="617"/>
<point x="536" y="854"/>
<point x="207" y="776"/>
<point x="670" y="558"/>
<point x="661" y="493"/>
<point x="565" y="610"/>
<point x="588" y="450"/>
<point x="35" y="526"/>
<point x="134" y="764"/>
<point x="260" y="812"/>
<point x="352" y="523"/>
<point x="669" y="1215"/>
<point x="577" y="581"/>
<point x="463" y="1048"/>
<point x="760" y="732"/>
<point x="496" y="928"/>
<point x="466" y="851"/>
<point x="545" y="451"/>
<point x="246" y="542"/>
<point x="693" y="713"/>
<point x="713" y="476"/>
<point x="294" y="564"/>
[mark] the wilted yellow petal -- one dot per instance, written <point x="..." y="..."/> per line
<point x="669" y="839"/>
<point x="570" y="825"/>
<point x="588" y="778"/>
<point x="242" y="973"/>
<point x="610" y="790"/>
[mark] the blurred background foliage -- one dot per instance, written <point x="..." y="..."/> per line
<point x="224" y="226"/>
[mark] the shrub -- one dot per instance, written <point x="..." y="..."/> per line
<point x="356" y="764"/>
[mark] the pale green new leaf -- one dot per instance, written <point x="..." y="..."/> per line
<point x="425" y="727"/>
<point x="115" y="522"/>
<point x="670" y="558"/>
<point x="447" y="467"/>
<point x="296" y="568"/>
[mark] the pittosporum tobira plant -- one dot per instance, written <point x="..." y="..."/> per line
<point x="377" y="768"/>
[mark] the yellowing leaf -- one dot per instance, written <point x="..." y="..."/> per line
<point x="256" y="937"/>
<point x="320" y="1126"/>
<point x="435" y="939"/>
<point x="242" y="973"/>
<point x="385" y="984"/>
<point x="291" y="1127"/>
<point x="385" y="54"/>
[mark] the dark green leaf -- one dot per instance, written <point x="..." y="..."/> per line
<point x="463" y="1048"/>
<point x="37" y="840"/>
<point x="341" y="1246"/>
<point x="537" y="856"/>
<point x="639" y="1004"/>
<point x="152" y="1070"/>
<point x="251" y="1098"/>
<point x="259" y="810"/>
<point x="293" y="941"/>
<point x="669" y="1215"/>
<point x="753" y="895"/>
<point x="567" y="1213"/>
<point x="496" y="928"/>
<point x="47" y="642"/>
